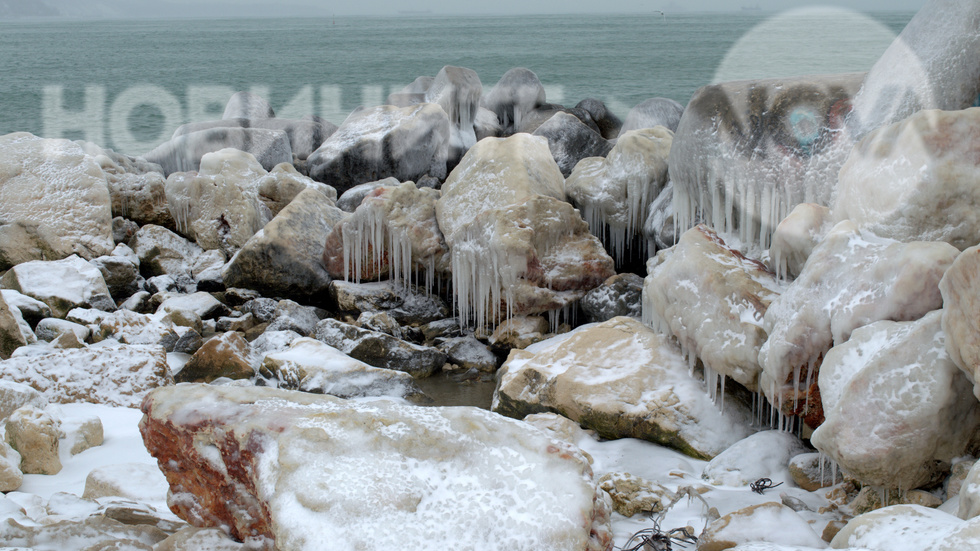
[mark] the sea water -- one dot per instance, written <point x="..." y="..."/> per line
<point x="109" y="80"/>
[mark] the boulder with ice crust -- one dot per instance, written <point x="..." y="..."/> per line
<point x="161" y="251"/>
<point x="54" y="201"/>
<point x="741" y="151"/>
<point x="959" y="288"/>
<point x="34" y="434"/>
<point x="768" y="522"/>
<point x="226" y="355"/>
<point x="185" y="153"/>
<point x="898" y="410"/>
<point x="620" y="295"/>
<point x="852" y="278"/>
<point x="457" y="90"/>
<point x="304" y="135"/>
<point x="284" y="259"/>
<point x="393" y="233"/>
<point x="796" y="236"/>
<point x="915" y="180"/>
<point x="515" y="96"/>
<point x="61" y="284"/>
<point x="764" y="454"/>
<point x="570" y="141"/>
<point x="712" y="299"/>
<point x="914" y="526"/>
<point x="303" y="471"/>
<point x="623" y="380"/>
<point x="380" y="349"/>
<point x="615" y="193"/>
<point x="653" y="112"/>
<point x="377" y="142"/>
<point x="113" y="375"/>
<point x="516" y="246"/>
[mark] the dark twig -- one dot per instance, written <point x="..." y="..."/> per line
<point x="763" y="484"/>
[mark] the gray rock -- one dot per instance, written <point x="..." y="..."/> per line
<point x="379" y="349"/>
<point x="123" y="229"/>
<point x="351" y="199"/>
<point x="620" y="295"/>
<point x="570" y="141"/>
<point x="291" y="316"/>
<point x="659" y="229"/>
<point x="121" y="275"/>
<point x="31" y="309"/>
<point x="161" y="251"/>
<point x="50" y="329"/>
<point x="264" y="309"/>
<point x="457" y="90"/>
<point x="515" y="95"/>
<point x="469" y="353"/>
<point x="653" y="112"/>
<point x="609" y="124"/>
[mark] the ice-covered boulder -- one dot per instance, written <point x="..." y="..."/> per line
<point x="54" y="201"/>
<point x="11" y="476"/>
<point x="112" y="375"/>
<point x="311" y="366"/>
<point x="14" y="395"/>
<point x="305" y="136"/>
<point x="50" y="329"/>
<point x="202" y="304"/>
<point x="129" y="327"/>
<point x="380" y="349"/>
<point x="960" y="286"/>
<point x="907" y="527"/>
<point x="615" y="193"/>
<point x="93" y="532"/>
<point x="469" y="353"/>
<point x="412" y="93"/>
<point x="570" y="141"/>
<point x="897" y="409"/>
<point x="11" y="336"/>
<point x="284" y="259"/>
<point x="620" y="295"/>
<point x="915" y="180"/>
<point x="766" y="522"/>
<point x="852" y="278"/>
<point x="457" y="90"/>
<point x="742" y="150"/>
<point x="31" y="310"/>
<point x="186" y="152"/>
<point x="351" y="199"/>
<point x="293" y="316"/>
<point x="394" y="233"/>
<point x="435" y="478"/>
<point x="161" y="251"/>
<point x="653" y="112"/>
<point x="136" y="186"/>
<point x="764" y="454"/>
<point x="246" y="105"/>
<point x="383" y="141"/>
<point x="120" y="271"/>
<point x="642" y="390"/>
<point x="61" y="284"/>
<point x="225" y="355"/>
<point x="712" y="299"/>
<point x="284" y="183"/>
<point x="796" y="236"/>
<point x="516" y="94"/>
<point x="516" y="246"/>
<point x="34" y="434"/>
<point x="608" y="123"/>
<point x="219" y="207"/>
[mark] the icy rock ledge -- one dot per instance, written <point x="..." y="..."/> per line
<point x="315" y="472"/>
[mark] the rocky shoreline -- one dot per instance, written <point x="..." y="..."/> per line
<point x="775" y="282"/>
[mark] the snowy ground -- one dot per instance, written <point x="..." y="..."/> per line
<point x="123" y="446"/>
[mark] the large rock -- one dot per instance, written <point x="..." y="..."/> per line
<point x="517" y="247"/>
<point x="54" y="201"/>
<point x="311" y="366"/>
<point x="513" y="98"/>
<point x="608" y="123"/>
<point x="457" y="90"/>
<point x="118" y="376"/>
<point x="14" y="395"/>
<point x="768" y="522"/>
<point x="644" y="390"/>
<point x="653" y="112"/>
<point x="225" y="355"/>
<point x="570" y="141"/>
<point x="712" y="299"/>
<point x="741" y="151"/>
<point x="129" y="327"/>
<point x="620" y="295"/>
<point x="185" y="153"/>
<point x="916" y="527"/>
<point x="11" y="336"/>
<point x="852" y="278"/>
<point x="392" y="233"/>
<point x="383" y="141"/>
<point x="33" y="433"/>
<point x="915" y="180"/>
<point x="95" y="532"/>
<point x="136" y="187"/>
<point x="305" y="136"/>
<point x="407" y="304"/>
<point x="615" y="193"/>
<point x="161" y="251"/>
<point x="303" y="469"/>
<point x="380" y="349"/>
<point x="960" y="287"/>
<point x="898" y="410"/>
<point x="61" y="284"/>
<point x="796" y="237"/>
<point x="284" y="258"/>
<point x="764" y="454"/>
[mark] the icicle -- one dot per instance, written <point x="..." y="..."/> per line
<point x="723" y="379"/>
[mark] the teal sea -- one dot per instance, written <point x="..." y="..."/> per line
<point x="97" y="79"/>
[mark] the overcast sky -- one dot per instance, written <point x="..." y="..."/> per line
<point x="299" y="8"/>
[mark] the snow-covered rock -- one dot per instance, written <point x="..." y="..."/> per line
<point x="852" y="278"/>
<point x="517" y="247"/>
<point x="33" y="433"/>
<point x="813" y="471"/>
<point x="913" y="180"/>
<point x="292" y="316"/>
<point x="740" y="174"/>
<point x="351" y="199"/>
<point x="380" y="350"/>
<point x="31" y="310"/>
<point x="764" y="454"/>
<point x="959" y="287"/>
<point x="653" y="112"/>
<point x="796" y="237"/>
<point x="311" y="366"/>
<point x="135" y="481"/>
<point x="304" y="135"/>
<point x="219" y="207"/>
<point x="200" y="303"/>
<point x="11" y="476"/>
<point x="378" y="142"/>
<point x="61" y="284"/>
<point x="128" y="327"/>
<point x="225" y="355"/>
<point x="11" y="336"/>
<point x="513" y="98"/>
<point x="50" y="329"/>
<point x="114" y="375"/>
<point x="14" y="395"/>
<point x="94" y="532"/>
<point x="570" y="141"/>
<point x="187" y="152"/>
<point x="405" y="304"/>
<point x="519" y="332"/>
<point x="457" y="90"/>
<point x="766" y="522"/>
<point x="969" y="494"/>
<point x="84" y="434"/>
<point x="136" y="187"/>
<point x="284" y="258"/>
<point x="910" y="527"/>
<point x="120" y="271"/>
<point x="199" y="539"/>
<point x="659" y="229"/>
<point x="321" y="472"/>
<point x="621" y="379"/>
<point x="615" y="193"/>
<point x="712" y="299"/>
<point x="897" y="409"/>
<point x="161" y="251"/>
<point x="54" y="201"/>
<point x="620" y="295"/>
<point x="469" y="353"/>
<point x="393" y="232"/>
